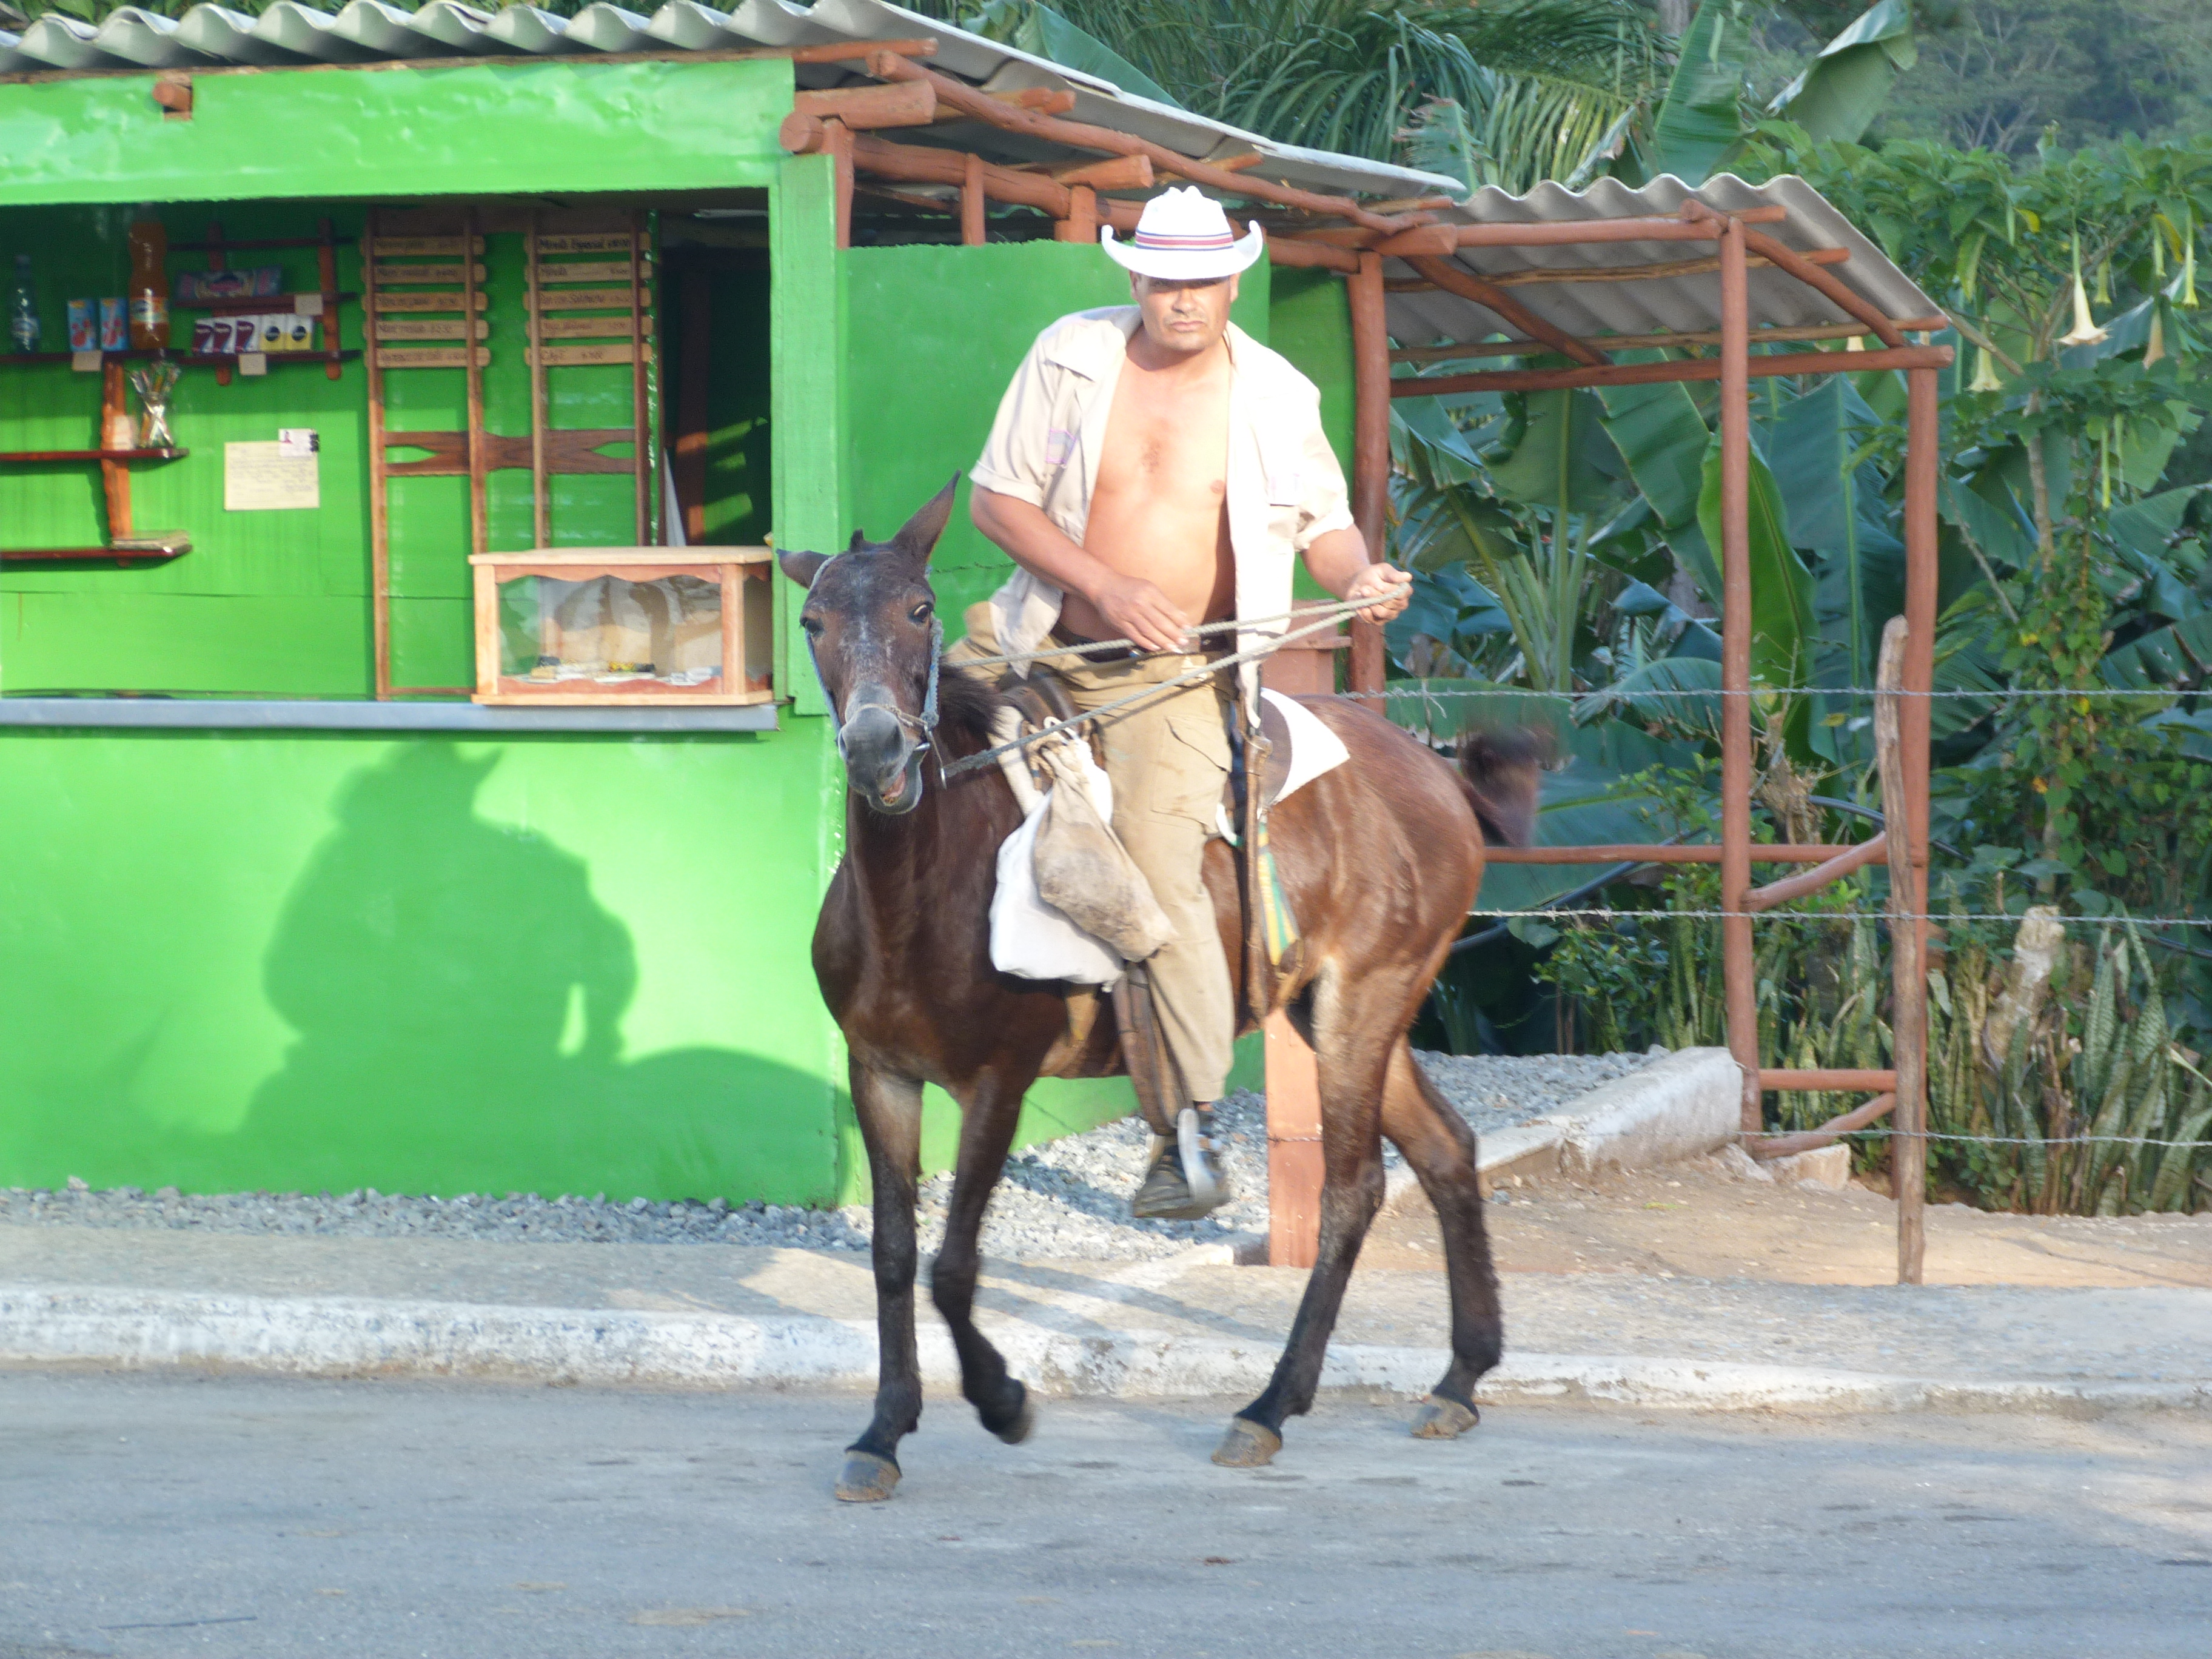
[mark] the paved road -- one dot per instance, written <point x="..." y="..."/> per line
<point x="157" y="1515"/>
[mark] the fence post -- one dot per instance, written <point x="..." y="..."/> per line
<point x="1908" y="976"/>
<point x="1738" y="961"/>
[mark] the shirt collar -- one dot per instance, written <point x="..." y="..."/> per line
<point x="1095" y="352"/>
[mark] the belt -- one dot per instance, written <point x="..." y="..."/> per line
<point x="1102" y="653"/>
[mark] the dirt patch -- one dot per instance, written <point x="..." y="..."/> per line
<point x="1691" y="1220"/>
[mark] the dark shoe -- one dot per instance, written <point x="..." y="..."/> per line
<point x="1185" y="1181"/>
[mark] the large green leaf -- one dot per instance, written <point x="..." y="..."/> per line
<point x="1701" y="119"/>
<point x="1681" y="695"/>
<point x="1662" y="439"/>
<point x="1839" y="95"/>
<point x="1782" y="618"/>
<point x="2177" y="655"/>
<point x="1561" y="443"/>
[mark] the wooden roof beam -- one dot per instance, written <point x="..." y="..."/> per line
<point x="959" y="95"/>
<point x="1467" y="286"/>
<point x="1688" y="368"/>
<point x="1793" y="334"/>
<point x="1809" y="274"/>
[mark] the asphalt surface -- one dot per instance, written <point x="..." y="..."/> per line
<point x="189" y="1514"/>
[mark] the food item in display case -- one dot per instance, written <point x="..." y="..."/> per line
<point x="114" y="323"/>
<point x="252" y="283"/>
<point x="149" y="286"/>
<point x="23" y="309"/>
<point x="611" y="630"/>
<point x="83" y="325"/>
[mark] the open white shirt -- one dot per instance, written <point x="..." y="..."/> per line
<point x="1283" y="485"/>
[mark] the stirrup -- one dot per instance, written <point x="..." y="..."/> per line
<point x="1184" y="1180"/>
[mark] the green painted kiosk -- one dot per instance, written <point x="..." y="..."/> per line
<point x="331" y="858"/>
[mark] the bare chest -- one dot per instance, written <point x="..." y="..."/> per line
<point x="1167" y="441"/>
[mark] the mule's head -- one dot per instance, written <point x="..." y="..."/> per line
<point x="871" y="622"/>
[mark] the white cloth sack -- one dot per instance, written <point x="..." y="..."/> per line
<point x="1028" y="937"/>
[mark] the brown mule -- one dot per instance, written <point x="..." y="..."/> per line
<point x="1379" y="858"/>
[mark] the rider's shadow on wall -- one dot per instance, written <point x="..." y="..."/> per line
<point x="458" y="991"/>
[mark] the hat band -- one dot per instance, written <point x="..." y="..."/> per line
<point x="1153" y="238"/>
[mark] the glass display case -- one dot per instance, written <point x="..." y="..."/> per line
<point x="618" y="625"/>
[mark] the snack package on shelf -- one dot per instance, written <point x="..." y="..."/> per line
<point x="269" y="331"/>
<point x="253" y="282"/>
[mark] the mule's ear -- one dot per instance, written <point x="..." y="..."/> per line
<point x="917" y="539"/>
<point x="860" y="540"/>
<point x="801" y="568"/>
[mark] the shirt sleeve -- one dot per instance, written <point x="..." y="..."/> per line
<point x="1016" y="460"/>
<point x="1322" y="504"/>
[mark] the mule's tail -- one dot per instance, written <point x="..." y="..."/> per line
<point x="1501" y="771"/>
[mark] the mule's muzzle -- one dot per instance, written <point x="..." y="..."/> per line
<point x="883" y="760"/>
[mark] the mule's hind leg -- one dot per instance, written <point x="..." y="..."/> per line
<point x="988" y="1112"/>
<point x="1350" y="1036"/>
<point x="889" y="1111"/>
<point x="1440" y="1147"/>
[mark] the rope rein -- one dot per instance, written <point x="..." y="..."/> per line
<point x="1336" y="612"/>
<point x="1189" y="676"/>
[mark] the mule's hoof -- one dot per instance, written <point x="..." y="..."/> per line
<point x="1025" y="1420"/>
<point x="1440" y="1419"/>
<point x="867" y="1479"/>
<point x="1248" y="1445"/>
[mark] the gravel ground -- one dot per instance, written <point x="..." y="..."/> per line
<point x="1067" y="1200"/>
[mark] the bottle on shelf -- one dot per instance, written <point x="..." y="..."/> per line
<point x="149" y="285"/>
<point x="23" y="309"/>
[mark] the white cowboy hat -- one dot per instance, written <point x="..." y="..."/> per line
<point x="1184" y="237"/>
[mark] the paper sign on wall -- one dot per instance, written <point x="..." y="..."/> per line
<point x="264" y="477"/>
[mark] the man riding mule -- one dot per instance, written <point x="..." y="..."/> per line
<point x="1153" y="467"/>
<point x="1378" y="859"/>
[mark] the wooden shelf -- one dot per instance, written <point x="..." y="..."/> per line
<point x="29" y="457"/>
<point x="188" y="359"/>
<point x="284" y="304"/>
<point x="122" y="555"/>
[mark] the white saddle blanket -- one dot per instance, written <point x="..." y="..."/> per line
<point x="1031" y="940"/>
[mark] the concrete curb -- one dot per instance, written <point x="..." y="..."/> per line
<point x="343" y="1336"/>
<point x="1684" y="1104"/>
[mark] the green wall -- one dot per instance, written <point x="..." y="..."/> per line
<point x="294" y="962"/>
<point x="565" y="126"/>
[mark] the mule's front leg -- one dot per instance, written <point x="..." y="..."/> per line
<point x="889" y="1111"/>
<point x="988" y="1111"/>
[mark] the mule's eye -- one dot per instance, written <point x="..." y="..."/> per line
<point x="923" y="611"/>
<point x="813" y="624"/>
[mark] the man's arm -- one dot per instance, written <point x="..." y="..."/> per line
<point x="1338" y="559"/>
<point x="1137" y="608"/>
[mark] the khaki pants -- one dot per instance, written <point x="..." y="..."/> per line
<point x="1169" y="760"/>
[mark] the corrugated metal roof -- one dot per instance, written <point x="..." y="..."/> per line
<point x="1669" y="303"/>
<point x="367" y="30"/>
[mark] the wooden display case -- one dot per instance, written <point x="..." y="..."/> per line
<point x="623" y="625"/>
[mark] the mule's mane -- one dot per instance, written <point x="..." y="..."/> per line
<point x="966" y="711"/>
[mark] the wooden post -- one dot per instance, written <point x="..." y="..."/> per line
<point x="541" y="525"/>
<point x="972" y="201"/>
<point x="1738" y="966"/>
<point x="1081" y="224"/>
<point x="472" y="369"/>
<point x="1294" y="1156"/>
<point x="380" y="532"/>
<point x="115" y="476"/>
<point x="1370" y="448"/>
<point x="841" y="152"/>
<point x="326" y="271"/>
<point x="1920" y="596"/>
<point x="1908" y="978"/>
<point x="645" y="459"/>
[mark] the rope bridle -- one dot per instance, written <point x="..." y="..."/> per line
<point x="921" y="726"/>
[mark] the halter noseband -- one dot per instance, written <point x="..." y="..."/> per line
<point x="921" y="725"/>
